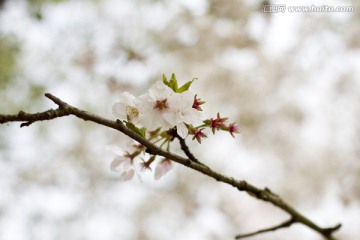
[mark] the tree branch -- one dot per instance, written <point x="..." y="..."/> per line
<point x="266" y="194"/>
<point x="285" y="224"/>
<point x="185" y="147"/>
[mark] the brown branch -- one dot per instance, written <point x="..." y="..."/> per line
<point x="186" y="150"/>
<point x="285" y="224"/>
<point x="185" y="147"/>
<point x="266" y="195"/>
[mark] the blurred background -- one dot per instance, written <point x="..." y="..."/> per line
<point x="291" y="81"/>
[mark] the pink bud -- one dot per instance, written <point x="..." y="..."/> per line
<point x="197" y="103"/>
<point x="233" y="129"/>
<point x="198" y="134"/>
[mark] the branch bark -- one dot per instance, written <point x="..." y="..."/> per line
<point x="265" y="194"/>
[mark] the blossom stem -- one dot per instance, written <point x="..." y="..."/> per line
<point x="158" y="140"/>
<point x="168" y="146"/>
<point x="162" y="144"/>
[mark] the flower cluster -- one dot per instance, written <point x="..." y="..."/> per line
<point x="166" y="111"/>
<point x="125" y="163"/>
<point x="160" y="107"/>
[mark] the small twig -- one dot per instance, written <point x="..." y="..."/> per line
<point x="330" y="230"/>
<point x="285" y="224"/>
<point x="187" y="151"/>
<point x="263" y="194"/>
<point x="57" y="101"/>
<point x="184" y="147"/>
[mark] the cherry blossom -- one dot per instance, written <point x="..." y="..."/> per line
<point x="124" y="163"/>
<point x="165" y="108"/>
<point x="127" y="108"/>
<point x="154" y="105"/>
<point x="181" y="112"/>
<point x="156" y="115"/>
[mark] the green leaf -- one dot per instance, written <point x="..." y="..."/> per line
<point x="186" y="86"/>
<point x="173" y="84"/>
<point x="165" y="81"/>
<point x="141" y="131"/>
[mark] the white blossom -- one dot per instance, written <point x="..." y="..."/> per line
<point x="181" y="112"/>
<point x="126" y="108"/>
<point x="155" y="105"/>
<point x="162" y="107"/>
<point x="123" y="164"/>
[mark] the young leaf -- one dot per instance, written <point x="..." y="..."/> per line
<point x="141" y="132"/>
<point x="165" y="81"/>
<point x="173" y="84"/>
<point x="186" y="86"/>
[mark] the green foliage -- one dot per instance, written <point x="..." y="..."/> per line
<point x="173" y="84"/>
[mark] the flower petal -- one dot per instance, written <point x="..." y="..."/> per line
<point x="150" y="117"/>
<point x="116" y="163"/>
<point x="120" y="164"/>
<point x="119" y="110"/>
<point x="160" y="91"/>
<point x="128" y="175"/>
<point x="114" y="149"/>
<point x="138" y="176"/>
<point x="162" y="168"/>
<point x="126" y="100"/>
<point x="182" y="130"/>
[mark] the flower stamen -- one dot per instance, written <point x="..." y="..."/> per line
<point x="132" y="112"/>
<point x="161" y="105"/>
